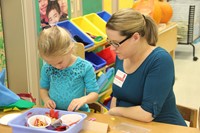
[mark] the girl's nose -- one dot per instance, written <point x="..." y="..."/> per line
<point x="58" y="66"/>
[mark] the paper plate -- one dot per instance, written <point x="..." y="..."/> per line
<point x="6" y="118"/>
<point x="69" y="119"/>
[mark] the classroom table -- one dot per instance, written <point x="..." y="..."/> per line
<point x="113" y="121"/>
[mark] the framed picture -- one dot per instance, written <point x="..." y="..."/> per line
<point x="52" y="11"/>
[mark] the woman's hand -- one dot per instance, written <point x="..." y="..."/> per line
<point x="114" y="111"/>
<point x="49" y="104"/>
<point x="77" y="103"/>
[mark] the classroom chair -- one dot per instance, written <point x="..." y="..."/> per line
<point x="189" y="115"/>
<point x="96" y="107"/>
<point x="199" y="118"/>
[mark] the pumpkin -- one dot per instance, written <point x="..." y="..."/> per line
<point x="167" y="11"/>
<point x="149" y="7"/>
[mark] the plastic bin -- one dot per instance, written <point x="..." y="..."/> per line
<point x="18" y="123"/>
<point x="96" y="61"/>
<point x="105" y="80"/>
<point x="104" y="15"/>
<point x="87" y="27"/>
<point x="75" y="31"/>
<point x="97" y="21"/>
<point x="108" y="55"/>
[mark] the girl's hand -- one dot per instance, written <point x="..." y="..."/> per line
<point x="50" y="104"/>
<point x="77" y="103"/>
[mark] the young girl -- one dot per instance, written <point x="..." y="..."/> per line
<point x="67" y="82"/>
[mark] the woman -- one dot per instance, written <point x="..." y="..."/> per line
<point x="143" y="84"/>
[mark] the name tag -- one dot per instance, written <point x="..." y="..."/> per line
<point x="119" y="78"/>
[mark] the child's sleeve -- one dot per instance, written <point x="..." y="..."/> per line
<point x="90" y="79"/>
<point x="44" y="78"/>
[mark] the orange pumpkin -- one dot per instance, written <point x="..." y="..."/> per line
<point x="156" y="12"/>
<point x="149" y="7"/>
<point x="167" y="11"/>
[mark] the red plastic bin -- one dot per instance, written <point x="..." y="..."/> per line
<point x="108" y="55"/>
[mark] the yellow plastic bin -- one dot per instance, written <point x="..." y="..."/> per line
<point x="97" y="21"/>
<point x="87" y="27"/>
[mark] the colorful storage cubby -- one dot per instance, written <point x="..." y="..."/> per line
<point x="76" y="32"/>
<point x="96" y="61"/>
<point x="97" y="21"/>
<point x="106" y="79"/>
<point x="87" y="27"/>
<point x="104" y="15"/>
<point x="18" y="123"/>
<point x="108" y="55"/>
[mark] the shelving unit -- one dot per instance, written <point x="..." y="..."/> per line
<point x="80" y="52"/>
<point x="191" y="30"/>
<point x="94" y="47"/>
<point x="104" y="68"/>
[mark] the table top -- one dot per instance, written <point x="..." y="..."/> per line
<point x="114" y="121"/>
<point x="162" y="28"/>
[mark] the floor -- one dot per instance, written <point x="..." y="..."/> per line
<point x="187" y="71"/>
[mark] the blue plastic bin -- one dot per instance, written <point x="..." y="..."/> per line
<point x="18" y="123"/>
<point x="75" y="31"/>
<point x="96" y="61"/>
<point x="104" y="15"/>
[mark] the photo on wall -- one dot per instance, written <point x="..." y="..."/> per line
<point x="52" y="11"/>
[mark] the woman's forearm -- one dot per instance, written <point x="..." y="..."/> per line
<point x="136" y="113"/>
<point x="113" y="102"/>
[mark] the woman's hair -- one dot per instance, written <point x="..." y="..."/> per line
<point x="53" y="4"/>
<point x="54" y="41"/>
<point x="128" y="21"/>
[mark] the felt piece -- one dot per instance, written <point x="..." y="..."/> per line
<point x="7" y="97"/>
<point x="11" y="109"/>
<point x="2" y="76"/>
<point x="21" y="104"/>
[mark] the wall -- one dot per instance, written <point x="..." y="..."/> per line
<point x="20" y="35"/>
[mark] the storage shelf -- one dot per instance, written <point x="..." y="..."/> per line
<point x="95" y="47"/>
<point x="103" y="93"/>
<point x="104" y="68"/>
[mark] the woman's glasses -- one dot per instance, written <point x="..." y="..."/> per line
<point x="117" y="44"/>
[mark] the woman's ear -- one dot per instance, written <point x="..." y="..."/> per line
<point x="136" y="36"/>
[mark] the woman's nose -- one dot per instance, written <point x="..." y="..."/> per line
<point x="112" y="48"/>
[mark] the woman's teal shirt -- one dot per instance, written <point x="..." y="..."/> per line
<point x="151" y="87"/>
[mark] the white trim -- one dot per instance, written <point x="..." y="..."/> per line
<point x="115" y="6"/>
<point x="30" y="39"/>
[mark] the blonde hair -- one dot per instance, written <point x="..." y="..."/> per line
<point x="128" y="21"/>
<point x="54" y="41"/>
